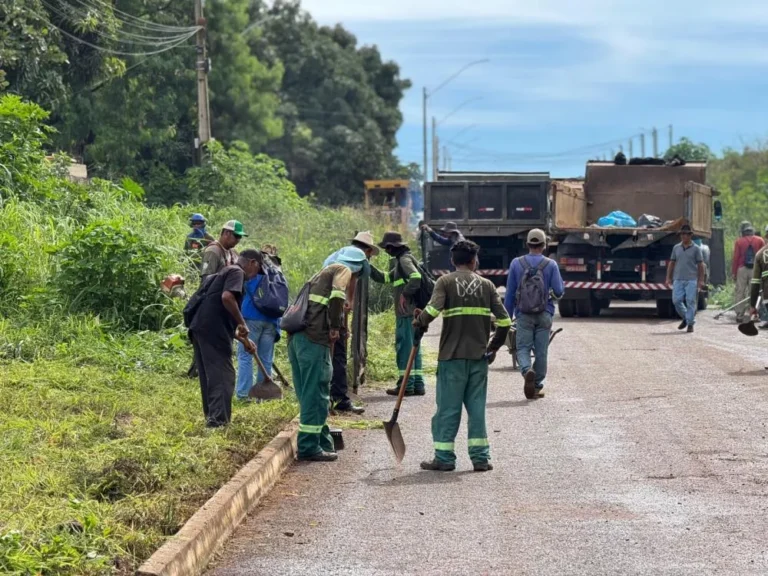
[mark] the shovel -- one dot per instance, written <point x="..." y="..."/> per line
<point x="267" y="390"/>
<point x="392" y="428"/>
<point x="748" y="328"/>
<point x="283" y="379"/>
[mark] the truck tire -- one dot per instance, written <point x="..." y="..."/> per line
<point x="703" y="302"/>
<point x="665" y="309"/>
<point x="584" y="308"/>
<point x="566" y="308"/>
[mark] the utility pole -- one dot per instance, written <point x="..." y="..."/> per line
<point x="424" y="114"/>
<point x="435" y="152"/>
<point x="655" y="134"/>
<point x="671" y="137"/>
<point x="631" y="143"/>
<point x="642" y="145"/>
<point x="202" y="67"/>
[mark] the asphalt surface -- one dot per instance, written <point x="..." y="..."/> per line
<point x="647" y="456"/>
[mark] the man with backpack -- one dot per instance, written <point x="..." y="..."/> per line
<point x="744" y="251"/>
<point x="361" y="243"/>
<point x="533" y="285"/>
<point x="265" y="302"/>
<point x="314" y="323"/>
<point x="466" y="302"/>
<point x="213" y="318"/>
<point x="407" y="280"/>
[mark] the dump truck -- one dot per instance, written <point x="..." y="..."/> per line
<point x="494" y="209"/>
<point x="602" y="264"/>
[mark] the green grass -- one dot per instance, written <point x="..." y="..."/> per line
<point x="103" y="451"/>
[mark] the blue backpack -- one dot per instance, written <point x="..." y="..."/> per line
<point x="271" y="296"/>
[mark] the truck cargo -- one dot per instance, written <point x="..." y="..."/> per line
<point x="601" y="264"/>
<point x="494" y="209"/>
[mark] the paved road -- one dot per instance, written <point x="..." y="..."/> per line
<point x="648" y="456"/>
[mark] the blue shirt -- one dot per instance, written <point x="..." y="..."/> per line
<point x="552" y="279"/>
<point x="249" y="310"/>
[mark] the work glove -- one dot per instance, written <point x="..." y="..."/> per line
<point x="418" y="334"/>
<point x="490" y="356"/>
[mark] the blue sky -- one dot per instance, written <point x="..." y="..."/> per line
<point x="569" y="80"/>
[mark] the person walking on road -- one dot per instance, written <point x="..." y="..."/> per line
<point x="215" y="324"/>
<point x="221" y="253"/>
<point x="406" y="278"/>
<point x="759" y="282"/>
<point x="466" y="301"/>
<point x="744" y="251"/>
<point x="533" y="285"/>
<point x="309" y="353"/>
<point x="686" y="273"/>
<point x="449" y="236"/>
<point x="340" y="401"/>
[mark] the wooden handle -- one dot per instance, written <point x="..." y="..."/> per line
<point x="267" y="377"/>
<point x="406" y="376"/>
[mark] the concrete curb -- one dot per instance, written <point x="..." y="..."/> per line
<point x="190" y="550"/>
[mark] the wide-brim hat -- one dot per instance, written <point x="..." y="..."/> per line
<point x="366" y="238"/>
<point x="394" y="239"/>
<point x="450" y="227"/>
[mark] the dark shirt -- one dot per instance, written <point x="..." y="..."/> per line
<point x="213" y="322"/>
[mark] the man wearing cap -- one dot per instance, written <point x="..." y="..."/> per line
<point x="532" y="330"/>
<point x="309" y="352"/>
<point x="406" y="279"/>
<point x="466" y="301"/>
<point x="198" y="238"/>
<point x="217" y="321"/>
<point x="744" y="251"/>
<point x="221" y="252"/>
<point x="450" y="235"/>
<point x="686" y="273"/>
<point x="362" y="243"/>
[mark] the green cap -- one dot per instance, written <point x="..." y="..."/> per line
<point x="236" y="227"/>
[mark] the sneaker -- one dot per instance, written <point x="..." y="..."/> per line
<point x="683" y="325"/>
<point x="690" y="329"/>
<point x="438" y="466"/>
<point x="539" y="393"/>
<point x="482" y="466"/>
<point x="319" y="457"/>
<point x="529" y="388"/>
<point x="349" y="408"/>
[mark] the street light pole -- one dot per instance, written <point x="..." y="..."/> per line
<point x="425" y="96"/>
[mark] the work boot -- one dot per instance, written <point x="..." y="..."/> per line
<point x="418" y="391"/>
<point x="320" y="457"/>
<point x="396" y="390"/>
<point x="349" y="408"/>
<point x="690" y="330"/>
<point x="529" y="388"/>
<point x="538" y="393"/>
<point x="683" y="325"/>
<point x="482" y="466"/>
<point x="438" y="466"/>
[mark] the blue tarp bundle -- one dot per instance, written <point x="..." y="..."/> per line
<point x="617" y="219"/>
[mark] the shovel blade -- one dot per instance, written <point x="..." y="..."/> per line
<point x="395" y="438"/>
<point x="267" y="390"/>
<point x="748" y="329"/>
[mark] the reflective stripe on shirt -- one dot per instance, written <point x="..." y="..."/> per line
<point x="465" y="311"/>
<point x="318" y="299"/>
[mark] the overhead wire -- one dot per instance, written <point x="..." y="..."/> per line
<point x="139" y="22"/>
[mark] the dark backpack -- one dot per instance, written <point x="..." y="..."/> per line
<point x="295" y="317"/>
<point x="749" y="258"/>
<point x="426" y="287"/>
<point x="193" y="304"/>
<point x="271" y="296"/>
<point x="532" y="294"/>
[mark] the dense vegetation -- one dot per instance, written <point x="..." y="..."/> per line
<point x="279" y="83"/>
<point x="103" y="452"/>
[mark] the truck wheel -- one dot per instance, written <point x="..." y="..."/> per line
<point x="584" y="307"/>
<point x="665" y="309"/>
<point x="703" y="302"/>
<point x="566" y="308"/>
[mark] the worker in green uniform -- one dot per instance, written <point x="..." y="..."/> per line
<point x="309" y="352"/>
<point x="406" y="279"/>
<point x="466" y="301"/>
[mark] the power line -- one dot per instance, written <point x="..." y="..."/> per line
<point x="139" y="22"/>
